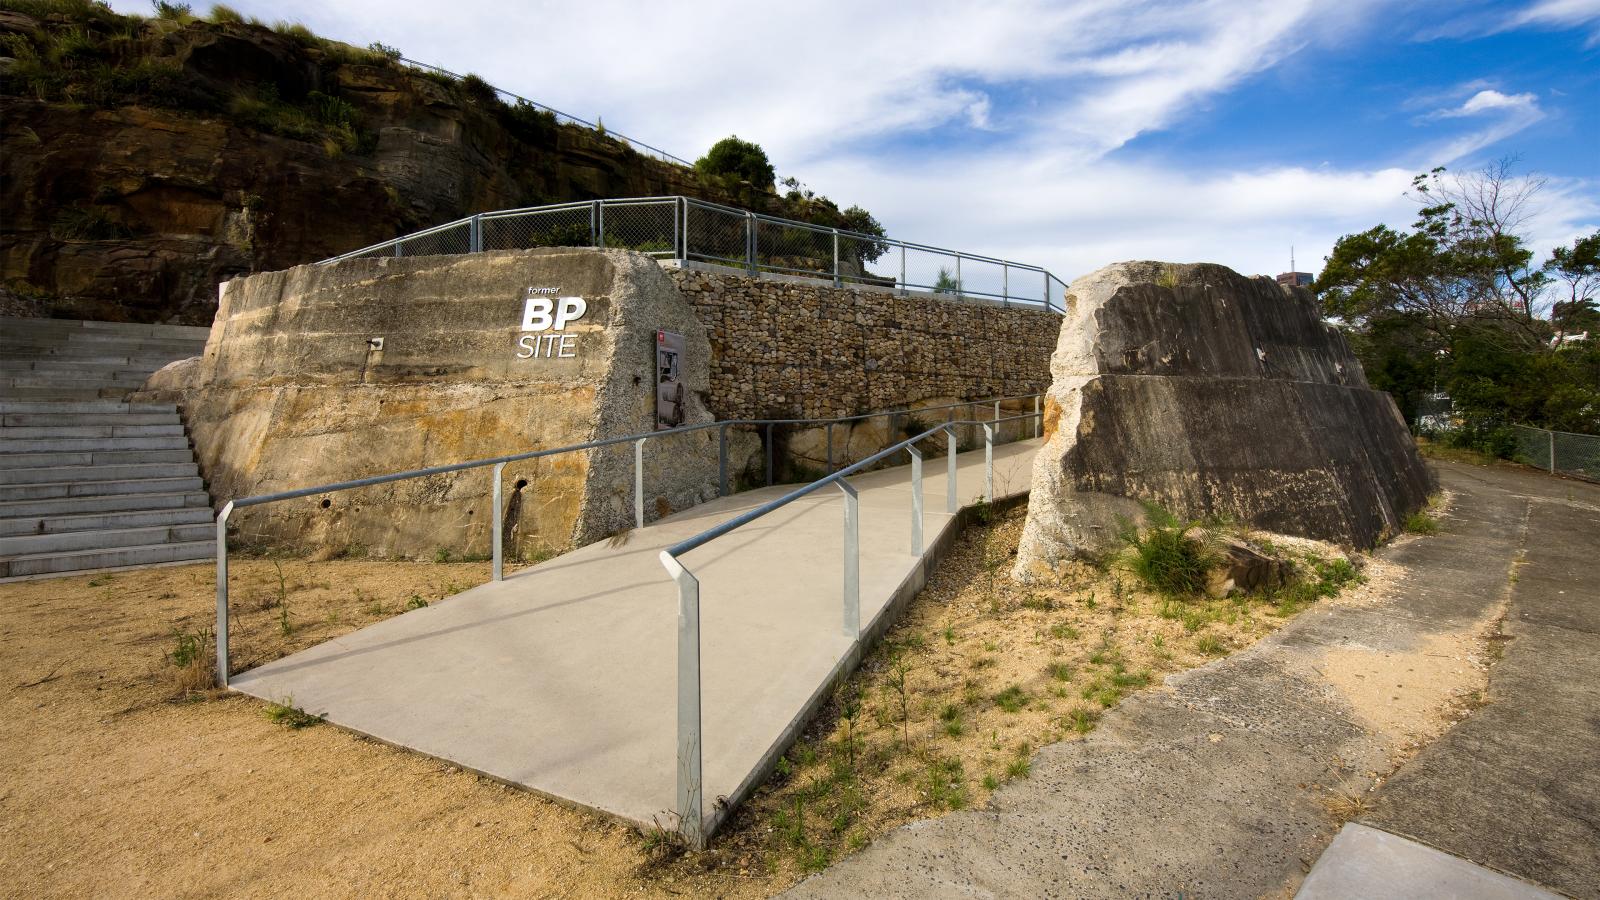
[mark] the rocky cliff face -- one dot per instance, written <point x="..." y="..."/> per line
<point x="143" y="162"/>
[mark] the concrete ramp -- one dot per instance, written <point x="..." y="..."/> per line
<point x="562" y="678"/>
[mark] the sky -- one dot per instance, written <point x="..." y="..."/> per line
<point x="1067" y="134"/>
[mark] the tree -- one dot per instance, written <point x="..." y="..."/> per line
<point x="742" y="160"/>
<point x="1459" y="303"/>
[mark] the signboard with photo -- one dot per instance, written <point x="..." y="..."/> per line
<point x="670" y="408"/>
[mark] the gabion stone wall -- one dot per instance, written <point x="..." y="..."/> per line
<point x="790" y="350"/>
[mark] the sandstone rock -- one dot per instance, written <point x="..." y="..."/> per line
<point x="1245" y="569"/>
<point x="1211" y="394"/>
<point x="290" y="393"/>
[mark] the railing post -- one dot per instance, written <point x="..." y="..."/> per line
<point x="916" y="500"/>
<point x="475" y="234"/>
<point x="600" y="223"/>
<point x="677" y="248"/>
<point x="499" y="523"/>
<point x="397" y="252"/>
<point x="852" y="561"/>
<point x="960" y="288"/>
<point x="750" y="243"/>
<point x="684" y="202"/>
<point x="594" y="224"/>
<point x="1552" y="452"/>
<point x="222" y="594"/>
<point x="836" y="282"/>
<point x="903" y="285"/>
<point x="689" y="781"/>
<point x="1047" y="290"/>
<point x="950" y="501"/>
<point x="638" y="483"/>
<point x="1005" y="284"/>
<point x="1038" y="421"/>
<point x="988" y="463"/>
<point x="830" y="447"/>
<point x="722" y="461"/>
<point x="769" y="454"/>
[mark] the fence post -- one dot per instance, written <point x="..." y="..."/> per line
<point x="1552" y="453"/>
<point x="960" y="288"/>
<point x="689" y="784"/>
<point x="222" y="594"/>
<point x="1037" y="419"/>
<point x="903" y="285"/>
<point x="750" y="243"/>
<point x="988" y="464"/>
<point x="1005" y="284"/>
<point x="638" y="483"/>
<point x="677" y="246"/>
<point x="769" y="454"/>
<point x="594" y="224"/>
<point x="830" y="448"/>
<point x="722" y="461"/>
<point x="852" y="561"/>
<point x="950" y="502"/>
<point x="836" y="282"/>
<point x="475" y="234"/>
<point x="397" y="252"/>
<point x="684" y="201"/>
<point x="1047" y="290"/>
<point x="916" y="500"/>
<point x="498" y="554"/>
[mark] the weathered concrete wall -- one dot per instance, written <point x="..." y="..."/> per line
<point x="793" y="350"/>
<point x="1212" y="395"/>
<point x="289" y="393"/>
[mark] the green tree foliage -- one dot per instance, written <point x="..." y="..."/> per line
<point x="1460" y="304"/>
<point x="739" y="159"/>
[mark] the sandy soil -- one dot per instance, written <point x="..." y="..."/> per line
<point x="118" y="781"/>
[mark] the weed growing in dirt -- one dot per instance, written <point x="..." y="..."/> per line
<point x="289" y="715"/>
<point x="192" y="656"/>
<point x="1421" y="523"/>
<point x="1166" y="555"/>
<point x="1012" y="699"/>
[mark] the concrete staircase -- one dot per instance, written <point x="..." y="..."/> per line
<point x="88" y="480"/>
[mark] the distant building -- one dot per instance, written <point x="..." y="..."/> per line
<point x="1296" y="279"/>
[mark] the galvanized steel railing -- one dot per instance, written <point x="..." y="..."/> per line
<point x="498" y="463"/>
<point x="688" y="808"/>
<point x="639" y="146"/>
<point x="686" y="229"/>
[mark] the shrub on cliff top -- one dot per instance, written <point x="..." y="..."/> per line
<point x="740" y="159"/>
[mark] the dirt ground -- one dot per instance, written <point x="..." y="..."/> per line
<point x="119" y="781"/>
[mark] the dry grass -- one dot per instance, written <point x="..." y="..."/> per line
<point x="113" y="741"/>
<point x="1345" y="805"/>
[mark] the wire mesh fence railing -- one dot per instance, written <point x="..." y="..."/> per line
<point x="1559" y="452"/>
<point x="686" y="229"/>
<point x="516" y="99"/>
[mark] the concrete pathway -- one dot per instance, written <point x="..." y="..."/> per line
<point x="1369" y="864"/>
<point x="562" y="678"/>
<point x="1213" y="786"/>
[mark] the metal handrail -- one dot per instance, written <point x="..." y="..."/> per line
<point x="606" y="132"/>
<point x="688" y="798"/>
<point x="499" y="463"/>
<point x="683" y="249"/>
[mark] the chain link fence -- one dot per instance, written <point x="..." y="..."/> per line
<point x="1559" y="452"/>
<point x="686" y="229"/>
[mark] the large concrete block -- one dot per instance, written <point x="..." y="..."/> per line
<point x="1211" y="394"/>
<point x="293" y="390"/>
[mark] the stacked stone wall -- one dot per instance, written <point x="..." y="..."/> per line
<point x="794" y="350"/>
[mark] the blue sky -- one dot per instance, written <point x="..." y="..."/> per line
<point x="1071" y="133"/>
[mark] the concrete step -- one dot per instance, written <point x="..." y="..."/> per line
<point x="161" y="496"/>
<point x="49" y="420"/>
<point x="76" y="368"/>
<point x="67" y="465"/>
<point x="109" y="345"/>
<point x="39" y="432"/>
<point x="71" y="541"/>
<point x="87" y="474"/>
<point x="21" y="325"/>
<point x="8" y="407"/>
<point x="55" y="490"/>
<point x="80" y="560"/>
<point x="101" y="521"/>
<point x="72" y="380"/>
<point x="10" y="444"/>
<point x="151" y="362"/>
<point x="60" y="393"/>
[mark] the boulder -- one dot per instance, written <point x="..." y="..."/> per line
<point x="1211" y="395"/>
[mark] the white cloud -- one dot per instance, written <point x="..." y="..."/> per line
<point x="1506" y="114"/>
<point x="1564" y="13"/>
<point x="1488" y="100"/>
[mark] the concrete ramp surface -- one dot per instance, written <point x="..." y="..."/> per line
<point x="562" y="678"/>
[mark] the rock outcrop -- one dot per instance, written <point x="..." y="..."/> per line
<point x="1211" y="395"/>
<point x="294" y="390"/>
<point x="144" y="162"/>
